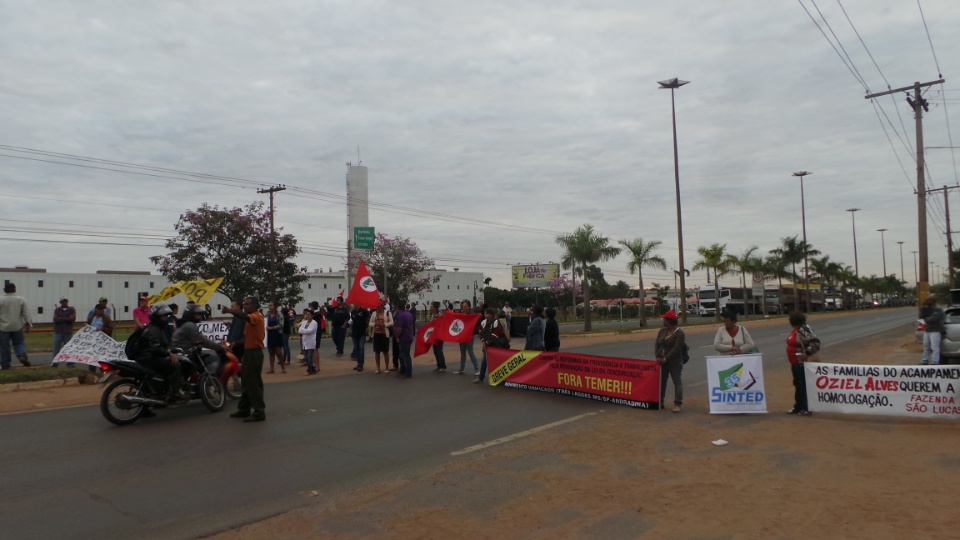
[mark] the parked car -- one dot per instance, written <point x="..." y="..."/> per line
<point x="950" y="344"/>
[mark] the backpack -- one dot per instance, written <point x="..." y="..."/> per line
<point x="133" y="344"/>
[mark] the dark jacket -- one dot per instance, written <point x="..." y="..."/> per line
<point x="361" y="319"/>
<point x="933" y="318"/>
<point x="551" y="336"/>
<point x="189" y="335"/>
<point x="153" y="345"/>
<point x="671" y="348"/>
<point x="535" y="335"/>
<point x="339" y="316"/>
<point x="63" y="319"/>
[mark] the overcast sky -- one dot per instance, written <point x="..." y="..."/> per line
<point x="539" y="116"/>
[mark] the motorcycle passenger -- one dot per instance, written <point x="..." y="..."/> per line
<point x="154" y="350"/>
<point x="188" y="334"/>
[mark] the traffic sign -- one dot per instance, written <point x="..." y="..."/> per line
<point x="363" y="237"/>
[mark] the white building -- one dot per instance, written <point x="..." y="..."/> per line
<point x="43" y="289"/>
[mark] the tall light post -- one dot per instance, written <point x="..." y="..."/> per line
<point x="803" y="219"/>
<point x="915" y="274"/>
<point x="883" y="247"/>
<point x="673" y="84"/>
<point x="902" y="278"/>
<point x="856" y="264"/>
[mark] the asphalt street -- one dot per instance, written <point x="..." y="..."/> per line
<point x="186" y="473"/>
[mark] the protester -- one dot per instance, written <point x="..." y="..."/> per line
<point x="172" y="321"/>
<point x="275" y="337"/>
<point x="493" y="333"/>
<point x="551" y="332"/>
<point x="339" y="319"/>
<point x="153" y="352"/>
<point x="63" y="319"/>
<point x="732" y="338"/>
<point x="508" y="312"/>
<point x="308" y="339"/>
<point x="100" y="320"/>
<point x="235" y="334"/>
<point x="251" y="406"/>
<point x="103" y="302"/>
<point x="435" y="312"/>
<point x="361" y="321"/>
<point x="932" y="316"/>
<point x="466" y="348"/>
<point x="189" y="333"/>
<point x="668" y="350"/>
<point x="289" y="319"/>
<point x="14" y="321"/>
<point x="319" y="317"/>
<point x="802" y="346"/>
<point x="403" y="329"/>
<point x="141" y="313"/>
<point x="380" y="324"/>
<point x="535" y="332"/>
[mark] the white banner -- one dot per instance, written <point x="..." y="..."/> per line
<point x="88" y="346"/>
<point x="219" y="330"/>
<point x="735" y="384"/>
<point x="918" y="391"/>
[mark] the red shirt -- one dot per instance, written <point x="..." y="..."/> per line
<point x="793" y="347"/>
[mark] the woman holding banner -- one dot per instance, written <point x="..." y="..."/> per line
<point x="668" y="349"/>
<point x="802" y="346"/>
<point x="731" y="337"/>
<point x="493" y="333"/>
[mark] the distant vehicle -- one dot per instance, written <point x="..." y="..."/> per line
<point x="708" y="305"/>
<point x="833" y="303"/>
<point x="950" y="344"/>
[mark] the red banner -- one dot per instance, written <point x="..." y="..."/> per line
<point x="624" y="381"/>
<point x="425" y="338"/>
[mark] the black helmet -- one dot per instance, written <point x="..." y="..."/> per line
<point x="160" y="314"/>
<point x="194" y="312"/>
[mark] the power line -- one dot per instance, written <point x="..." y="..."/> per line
<point x="935" y="61"/>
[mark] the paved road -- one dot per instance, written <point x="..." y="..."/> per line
<point x="70" y="474"/>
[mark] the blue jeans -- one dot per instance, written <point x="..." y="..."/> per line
<point x="406" y="363"/>
<point x="464" y="349"/>
<point x="931" y="348"/>
<point x="308" y="358"/>
<point x="438" y="353"/>
<point x="19" y="347"/>
<point x="358" y="343"/>
<point x="483" y="366"/>
<point x="59" y="340"/>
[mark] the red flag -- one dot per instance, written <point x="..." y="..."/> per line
<point x="364" y="292"/>
<point x="425" y="338"/>
<point x="456" y="327"/>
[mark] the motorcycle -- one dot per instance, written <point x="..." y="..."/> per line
<point x="230" y="375"/>
<point x="126" y="399"/>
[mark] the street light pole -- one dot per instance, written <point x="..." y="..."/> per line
<point x="856" y="264"/>
<point x="902" y="279"/>
<point x="915" y="275"/>
<point x="673" y="84"/>
<point x="803" y="218"/>
<point x="883" y="247"/>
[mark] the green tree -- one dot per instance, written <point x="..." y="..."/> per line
<point x="582" y="248"/>
<point x="398" y="266"/>
<point x="643" y="254"/>
<point x="745" y="263"/>
<point x="714" y="258"/>
<point x="794" y="251"/>
<point x="235" y="243"/>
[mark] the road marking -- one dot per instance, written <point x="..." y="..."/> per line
<point x="522" y="434"/>
<point x="48" y="409"/>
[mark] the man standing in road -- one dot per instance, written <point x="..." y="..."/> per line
<point x="251" y="406"/>
<point x="63" y="319"/>
<point x="14" y="321"/>
<point x="404" y="333"/>
<point x="932" y="316"/>
<point x="339" y="318"/>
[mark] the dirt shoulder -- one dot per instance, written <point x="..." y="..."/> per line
<point x="624" y="473"/>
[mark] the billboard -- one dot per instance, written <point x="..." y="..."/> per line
<point x="529" y="276"/>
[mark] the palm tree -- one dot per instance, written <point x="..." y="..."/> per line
<point x="823" y="267"/>
<point x="714" y="258"/>
<point x="795" y="251"/>
<point x="775" y="266"/>
<point x="585" y="247"/>
<point x="746" y="262"/>
<point x="643" y="254"/>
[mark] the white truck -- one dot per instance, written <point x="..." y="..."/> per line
<point x="708" y="305"/>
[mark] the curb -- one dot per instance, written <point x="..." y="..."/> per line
<point x="38" y="385"/>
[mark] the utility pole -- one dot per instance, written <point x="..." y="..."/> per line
<point x="919" y="105"/>
<point x="273" y="239"/>
<point x="946" y="209"/>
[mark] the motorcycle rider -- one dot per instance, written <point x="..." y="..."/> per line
<point x="153" y="350"/>
<point x="189" y="334"/>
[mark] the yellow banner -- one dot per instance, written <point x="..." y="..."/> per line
<point x="515" y="362"/>
<point x="200" y="291"/>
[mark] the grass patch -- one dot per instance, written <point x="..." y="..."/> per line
<point x="40" y="338"/>
<point x="39" y="373"/>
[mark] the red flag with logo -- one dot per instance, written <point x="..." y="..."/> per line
<point x="364" y="292"/>
<point x="456" y="327"/>
<point x="425" y="337"/>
